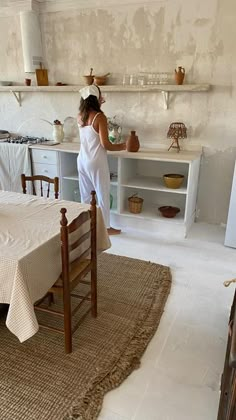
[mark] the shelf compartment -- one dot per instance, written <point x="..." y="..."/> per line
<point x="135" y="170"/>
<point x="151" y="202"/>
<point x="154" y="184"/>
<point x="74" y="177"/>
<point x="153" y="214"/>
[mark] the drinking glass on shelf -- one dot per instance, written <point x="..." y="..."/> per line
<point x="133" y="79"/>
<point x="141" y="80"/>
<point x="126" y="79"/>
<point x="163" y="78"/>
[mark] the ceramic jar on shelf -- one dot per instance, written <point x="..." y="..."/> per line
<point x="179" y="75"/>
<point x="132" y="142"/>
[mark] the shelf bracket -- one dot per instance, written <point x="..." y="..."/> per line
<point x="18" y="97"/>
<point x="165" y="96"/>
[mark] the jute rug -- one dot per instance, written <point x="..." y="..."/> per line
<point x="39" y="382"/>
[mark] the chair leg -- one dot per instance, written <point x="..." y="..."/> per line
<point x="94" y="293"/>
<point x="67" y="323"/>
<point x="50" y="298"/>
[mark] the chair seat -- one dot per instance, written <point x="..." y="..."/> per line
<point x="76" y="270"/>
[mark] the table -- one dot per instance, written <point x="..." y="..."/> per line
<point x="30" y="259"/>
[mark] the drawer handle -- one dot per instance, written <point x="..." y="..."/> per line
<point x="45" y="157"/>
<point x="45" y="170"/>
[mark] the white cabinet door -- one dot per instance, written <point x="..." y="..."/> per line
<point x="230" y="236"/>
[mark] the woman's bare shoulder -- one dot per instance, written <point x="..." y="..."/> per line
<point x="102" y="117"/>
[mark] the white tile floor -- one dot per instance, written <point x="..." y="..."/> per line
<point x="180" y="371"/>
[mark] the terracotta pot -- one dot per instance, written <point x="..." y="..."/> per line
<point x="27" y="82"/>
<point x="179" y="75"/>
<point x="169" y="211"/>
<point x="132" y="142"/>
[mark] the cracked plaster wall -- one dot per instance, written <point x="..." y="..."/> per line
<point x="154" y="37"/>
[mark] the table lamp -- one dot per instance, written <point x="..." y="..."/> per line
<point x="177" y="130"/>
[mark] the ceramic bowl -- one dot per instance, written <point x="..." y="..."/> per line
<point x="173" y="180"/>
<point x="169" y="211"/>
<point x="100" y="80"/>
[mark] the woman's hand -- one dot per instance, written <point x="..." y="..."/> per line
<point x="123" y="146"/>
<point x="102" y="129"/>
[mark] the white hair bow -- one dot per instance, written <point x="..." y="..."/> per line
<point x="89" y="90"/>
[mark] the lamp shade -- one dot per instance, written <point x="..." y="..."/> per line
<point x="177" y="130"/>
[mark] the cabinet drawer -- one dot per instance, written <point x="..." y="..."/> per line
<point x="44" y="169"/>
<point x="44" y="156"/>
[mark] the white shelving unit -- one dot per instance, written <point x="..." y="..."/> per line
<point x="164" y="89"/>
<point x="142" y="174"/>
<point x="135" y="173"/>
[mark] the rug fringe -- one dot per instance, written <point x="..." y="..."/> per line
<point x="89" y="407"/>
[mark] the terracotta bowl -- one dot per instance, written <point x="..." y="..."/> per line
<point x="169" y="211"/>
<point x="173" y="180"/>
<point x="88" y="79"/>
<point x="100" y="80"/>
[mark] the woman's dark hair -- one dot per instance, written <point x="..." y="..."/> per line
<point x="91" y="103"/>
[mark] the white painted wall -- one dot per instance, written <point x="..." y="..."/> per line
<point x="153" y="36"/>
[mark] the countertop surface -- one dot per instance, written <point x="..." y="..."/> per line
<point x="149" y="154"/>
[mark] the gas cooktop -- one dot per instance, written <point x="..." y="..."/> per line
<point x="29" y="140"/>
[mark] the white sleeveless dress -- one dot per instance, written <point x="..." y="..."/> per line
<point x="93" y="170"/>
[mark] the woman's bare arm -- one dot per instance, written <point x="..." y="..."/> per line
<point x="103" y="135"/>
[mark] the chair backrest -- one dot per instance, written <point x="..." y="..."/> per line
<point x="42" y="181"/>
<point x="78" y="240"/>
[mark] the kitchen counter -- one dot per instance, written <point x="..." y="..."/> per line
<point x="137" y="173"/>
<point x="147" y="154"/>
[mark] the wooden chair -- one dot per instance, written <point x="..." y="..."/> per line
<point x="43" y="180"/>
<point x="74" y="271"/>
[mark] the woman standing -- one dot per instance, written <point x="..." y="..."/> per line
<point x="92" y="161"/>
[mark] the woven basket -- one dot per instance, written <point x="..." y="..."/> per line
<point x="135" y="204"/>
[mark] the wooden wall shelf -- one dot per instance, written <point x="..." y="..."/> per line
<point x="164" y="89"/>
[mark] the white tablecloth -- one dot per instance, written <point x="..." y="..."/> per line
<point x="30" y="259"/>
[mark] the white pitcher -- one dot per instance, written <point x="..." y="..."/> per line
<point x="58" y="133"/>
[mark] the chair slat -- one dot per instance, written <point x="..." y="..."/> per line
<point x="79" y="241"/>
<point x="79" y="221"/>
<point x="42" y="179"/>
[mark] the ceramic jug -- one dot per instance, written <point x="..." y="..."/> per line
<point x="58" y="133"/>
<point x="179" y="75"/>
<point x="132" y="142"/>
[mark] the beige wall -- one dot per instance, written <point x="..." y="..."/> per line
<point x="154" y="37"/>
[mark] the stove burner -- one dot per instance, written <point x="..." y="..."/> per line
<point x="26" y="140"/>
